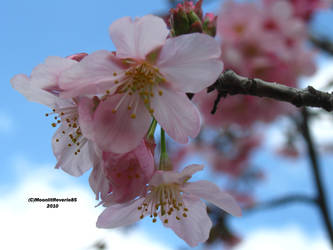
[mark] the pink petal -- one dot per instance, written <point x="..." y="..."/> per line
<point x="194" y="228"/>
<point x="146" y="159"/>
<point x="211" y="193"/>
<point x="120" y="215"/>
<point x="46" y="75"/>
<point x="92" y="75"/>
<point x="118" y="132"/>
<point x="72" y="164"/>
<point x="98" y="182"/>
<point x="135" y="39"/>
<point x="128" y="173"/>
<point x="23" y="85"/>
<point x="86" y="107"/>
<point x="190" y="62"/>
<point x="176" y="114"/>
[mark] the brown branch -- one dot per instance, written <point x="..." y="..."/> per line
<point x="230" y="83"/>
<point x="315" y="166"/>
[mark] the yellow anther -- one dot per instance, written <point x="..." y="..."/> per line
<point x="184" y="214"/>
<point x="177" y="218"/>
<point x="108" y="92"/>
<point x="69" y="145"/>
<point x="133" y="116"/>
<point x="57" y="140"/>
<point x="129" y="107"/>
<point x="151" y="111"/>
<point x="165" y="221"/>
<point x="54" y="125"/>
<point x="160" y="92"/>
<point x="185" y="209"/>
<point x="114" y="74"/>
<point x="114" y="111"/>
<point x="139" y="208"/>
<point x="141" y="217"/>
<point x="116" y="82"/>
<point x="154" y="220"/>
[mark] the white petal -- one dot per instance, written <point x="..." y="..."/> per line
<point x="120" y="215"/>
<point x="190" y="62"/>
<point x="135" y="39"/>
<point x="194" y="228"/>
<point x="92" y="75"/>
<point x="176" y="114"/>
<point x="72" y="164"/>
<point x="23" y="85"/>
<point x="211" y="193"/>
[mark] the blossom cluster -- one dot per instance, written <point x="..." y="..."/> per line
<point x="106" y="106"/>
<point x="271" y="45"/>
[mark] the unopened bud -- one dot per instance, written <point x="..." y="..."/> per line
<point x="77" y="57"/>
<point x="209" y="24"/>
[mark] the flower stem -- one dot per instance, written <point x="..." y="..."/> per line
<point x="151" y="130"/>
<point x="164" y="159"/>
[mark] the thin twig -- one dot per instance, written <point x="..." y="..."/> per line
<point x="321" y="196"/>
<point x="278" y="202"/>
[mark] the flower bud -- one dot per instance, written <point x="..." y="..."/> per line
<point x="186" y="18"/>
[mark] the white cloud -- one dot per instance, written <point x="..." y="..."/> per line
<point x="26" y="225"/>
<point x="290" y="238"/>
<point x="6" y="123"/>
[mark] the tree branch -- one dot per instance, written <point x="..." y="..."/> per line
<point x="230" y="83"/>
<point x="322" y="43"/>
<point x="321" y="196"/>
<point x="293" y="198"/>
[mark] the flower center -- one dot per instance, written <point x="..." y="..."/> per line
<point x="140" y="80"/>
<point x="69" y="116"/>
<point x="165" y="200"/>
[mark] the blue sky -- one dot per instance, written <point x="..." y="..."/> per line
<point x="33" y="30"/>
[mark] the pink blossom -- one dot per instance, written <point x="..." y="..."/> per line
<point x="122" y="177"/>
<point x="304" y="8"/>
<point x="74" y="152"/>
<point x="148" y="76"/>
<point x="176" y="202"/>
<point x="271" y="46"/>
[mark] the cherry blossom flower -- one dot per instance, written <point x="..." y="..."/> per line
<point x="147" y="76"/>
<point x="304" y="8"/>
<point x="75" y="154"/>
<point x="122" y="177"/>
<point x="270" y="46"/>
<point x="176" y="202"/>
